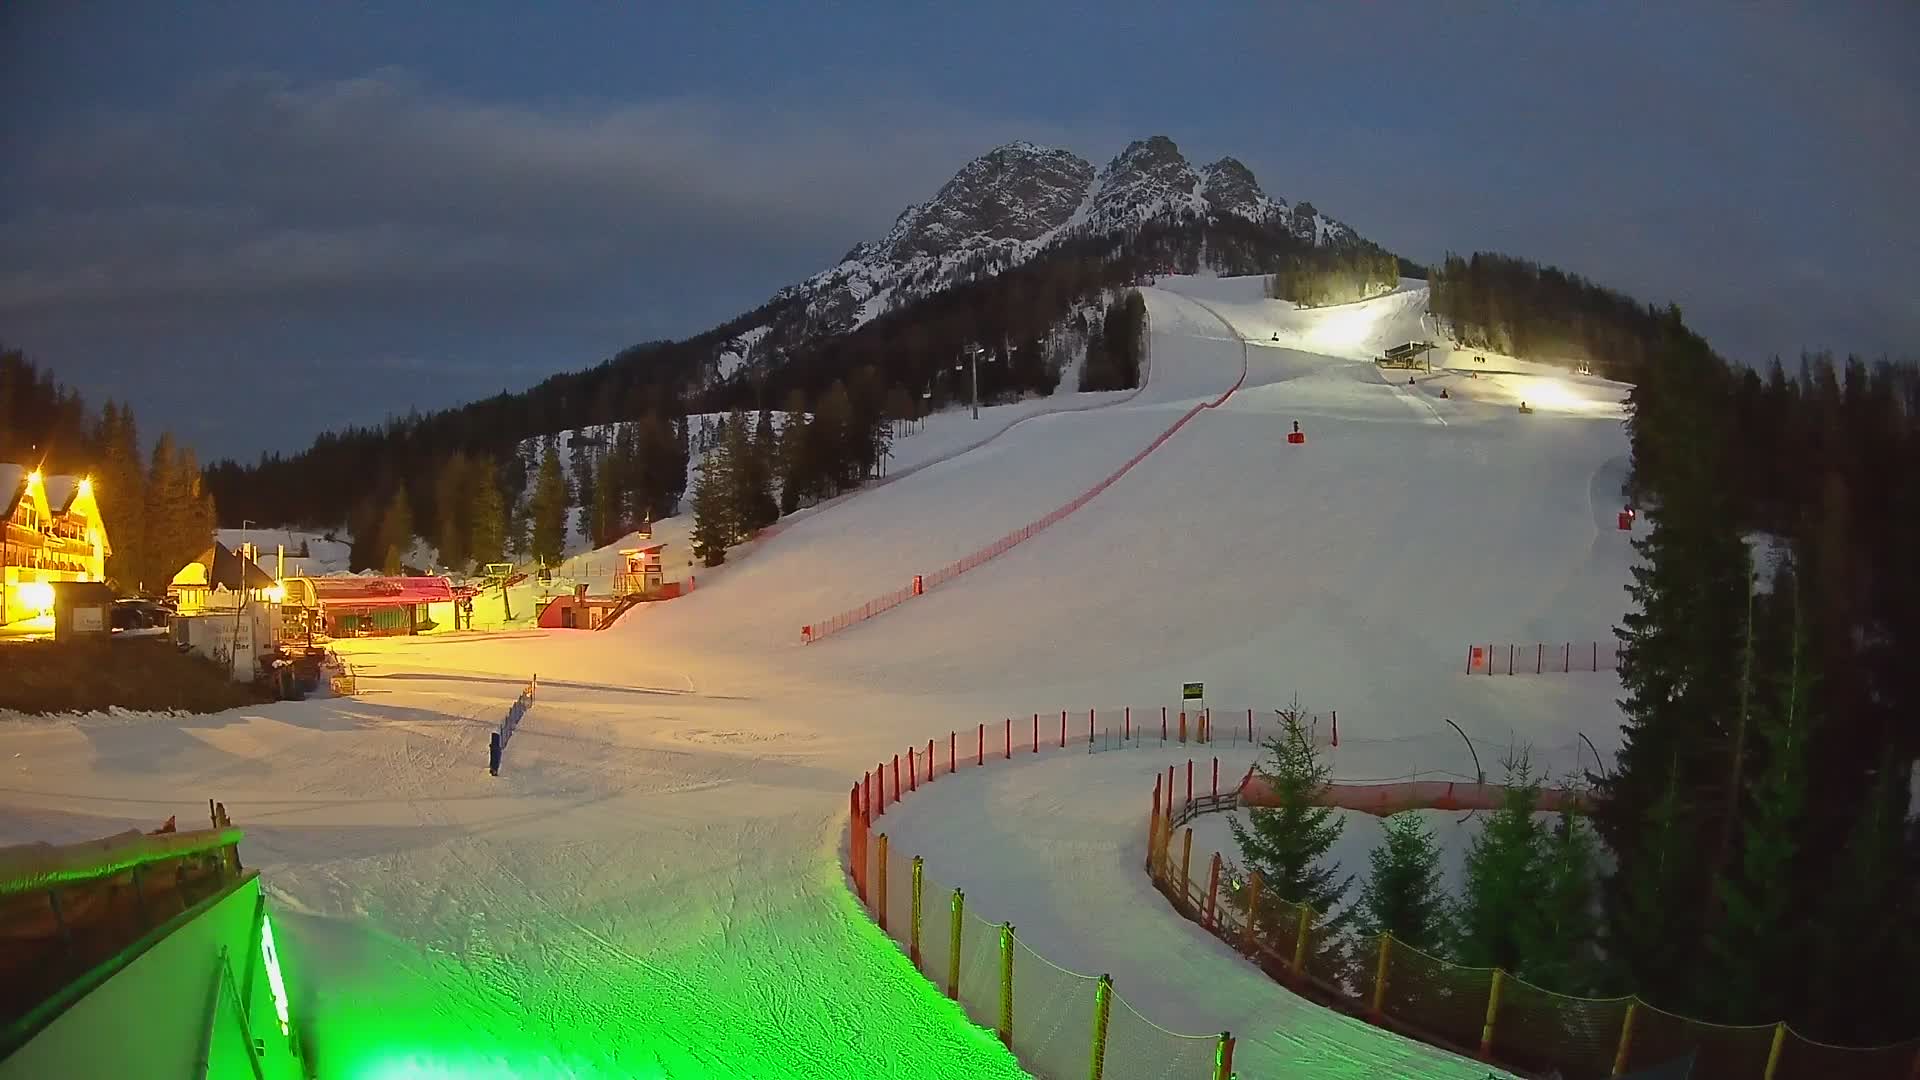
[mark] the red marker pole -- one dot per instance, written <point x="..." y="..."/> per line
<point x="1089" y="727"/>
<point x="1249" y="724"/>
<point x="929" y="761"/>
<point x="953" y="737"/>
<point x="1063" y="729"/>
<point x="896" y="778"/>
<point x="913" y="771"/>
<point x="880" y="786"/>
<point x="980" y="757"/>
<point x="1163" y="723"/>
<point x="1216" y="778"/>
<point x="1189" y="781"/>
<point x="1036" y="733"/>
<point x="1009" y="738"/>
<point x="1126" y="725"/>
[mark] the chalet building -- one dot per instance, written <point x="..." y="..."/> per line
<point x="363" y="606"/>
<point x="52" y="532"/>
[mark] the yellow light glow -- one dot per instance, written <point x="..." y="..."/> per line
<point x="33" y="478"/>
<point x="1555" y="395"/>
<point x="86" y="485"/>
<point x="35" y="595"/>
<point x="277" y="594"/>
<point x="1343" y="328"/>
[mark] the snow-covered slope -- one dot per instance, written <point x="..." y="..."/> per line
<point x="652" y="886"/>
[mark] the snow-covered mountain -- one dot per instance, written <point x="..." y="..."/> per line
<point x="1009" y="205"/>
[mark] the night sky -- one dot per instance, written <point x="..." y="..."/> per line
<point x="255" y="221"/>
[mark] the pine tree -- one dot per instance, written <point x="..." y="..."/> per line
<point x="168" y="529"/>
<point x="829" y="435"/>
<point x="584" y="495"/>
<point x="1758" y="937"/>
<point x="1287" y="843"/>
<point x="396" y="532"/>
<point x="607" y="522"/>
<point x="1560" y="948"/>
<point x="750" y="462"/>
<point x="1402" y="895"/>
<point x="120" y="492"/>
<point x="488" y="513"/>
<point x="1863" y="924"/>
<point x="453" y="510"/>
<point x="795" y="453"/>
<point x="1504" y="878"/>
<point x="713" y="522"/>
<point x="548" y="509"/>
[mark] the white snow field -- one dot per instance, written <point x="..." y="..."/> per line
<point x="653" y="887"/>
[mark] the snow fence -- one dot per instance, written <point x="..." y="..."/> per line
<point x="886" y="602"/>
<point x="1481" y="1012"/>
<point x="1542" y="657"/>
<point x="1058" y="1023"/>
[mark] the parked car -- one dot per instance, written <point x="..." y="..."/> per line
<point x="140" y="615"/>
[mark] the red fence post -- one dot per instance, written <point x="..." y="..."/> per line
<point x="1183" y="726"/>
<point x="1163" y="723"/>
<point x="1489" y="658"/>
<point x="980" y="754"/>
<point x="929" y="761"/>
<point x="952" y="762"/>
<point x="1249" y="723"/>
<point x="1089" y="727"/>
<point x="913" y="771"/>
<point x="896" y="777"/>
<point x="1036" y="733"/>
<point x="1063" y="729"/>
<point x="1126" y="724"/>
<point x="1566" y="662"/>
<point x="1539" y="657"/>
<point x="1216" y="778"/>
<point x="880" y="786"/>
<point x="1336" y="727"/>
<point x="1189" y="781"/>
<point x="1469" y="659"/>
<point x="1510" y="650"/>
<point x="1169" y="793"/>
<point x="1009" y="738"/>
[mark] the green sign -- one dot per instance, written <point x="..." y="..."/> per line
<point x="1192" y="691"/>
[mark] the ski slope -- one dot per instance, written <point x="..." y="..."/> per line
<point x="652" y="886"/>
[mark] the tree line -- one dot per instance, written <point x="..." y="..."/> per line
<point x="1325" y="276"/>
<point x="156" y="511"/>
<point x="1116" y="342"/>
<point x="1520" y="308"/>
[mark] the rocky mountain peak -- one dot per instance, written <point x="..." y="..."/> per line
<point x="1231" y="189"/>
<point x="1016" y="192"/>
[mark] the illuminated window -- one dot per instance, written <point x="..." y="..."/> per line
<point x="278" y="986"/>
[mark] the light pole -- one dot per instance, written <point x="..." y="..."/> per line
<point x="240" y="570"/>
<point x="974" y="353"/>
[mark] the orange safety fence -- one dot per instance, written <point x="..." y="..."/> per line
<point x="816" y="631"/>
<point x="1542" y="657"/>
<point x="1483" y="1012"/>
<point x="1057" y="1022"/>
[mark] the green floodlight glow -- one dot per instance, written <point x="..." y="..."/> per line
<point x="278" y="985"/>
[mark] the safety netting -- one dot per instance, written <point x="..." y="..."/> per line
<point x="1537" y="1028"/>
<point x="980" y="970"/>
<point x="1804" y="1057"/>
<point x="1445" y="1000"/>
<point x="936" y="931"/>
<point x="1053" y="1015"/>
<point x="1139" y="1049"/>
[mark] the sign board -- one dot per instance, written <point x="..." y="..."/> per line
<point x="89" y="620"/>
<point x="1192" y="691"/>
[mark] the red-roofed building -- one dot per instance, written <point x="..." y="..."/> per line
<point x="354" y="606"/>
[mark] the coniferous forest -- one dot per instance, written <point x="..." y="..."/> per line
<point x="1520" y="308"/>
<point x="1325" y="276"/>
<point x="153" y="501"/>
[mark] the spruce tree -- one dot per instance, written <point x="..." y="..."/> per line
<point x="1758" y="938"/>
<point x="829" y="436"/>
<point x="1560" y="950"/>
<point x="795" y="455"/>
<point x="750" y="479"/>
<point x="713" y="521"/>
<point x="1504" y="878"/>
<point x="453" y="510"/>
<point x="585" y="496"/>
<point x="1402" y="895"/>
<point x="1288" y="843"/>
<point x="396" y="532"/>
<point x="489" y="514"/>
<point x="548" y="509"/>
<point x="1863" y="921"/>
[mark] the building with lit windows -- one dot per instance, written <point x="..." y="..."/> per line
<point x="52" y="532"/>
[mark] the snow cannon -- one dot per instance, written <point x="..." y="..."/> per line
<point x="1296" y="436"/>
<point x="1626" y="519"/>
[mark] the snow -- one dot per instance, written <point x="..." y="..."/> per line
<point x="652" y="886"/>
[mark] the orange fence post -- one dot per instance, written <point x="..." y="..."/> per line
<point x="1036" y="733"/>
<point x="929" y="761"/>
<point x="880" y="785"/>
<point x="1493" y="1010"/>
<point x="1249" y="946"/>
<point x="952" y="762"/>
<point x="1009" y="738"/>
<point x="896" y="778"/>
<point x="1773" y="1052"/>
<point x="953" y="945"/>
<point x="1380" y="976"/>
<point x="1189" y="782"/>
<point x="1186" y="860"/>
<point x="1183" y="725"/>
<point x="1223" y="1057"/>
<point x="1626" y="1038"/>
<point x="1300" y="939"/>
<point x="913" y="772"/>
<point x="1102" y="1010"/>
<point x="1213" y="891"/>
<point x="1153" y="823"/>
<point x="913" y="927"/>
<point x="1006" y="984"/>
<point x="1063" y="729"/>
<point x="981" y="758"/>
<point x="880" y="899"/>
